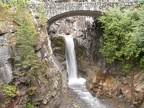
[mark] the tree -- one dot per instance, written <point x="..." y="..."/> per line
<point x="123" y="37"/>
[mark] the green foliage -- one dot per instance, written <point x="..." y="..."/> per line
<point x="3" y="9"/>
<point x="26" y="37"/>
<point x="141" y="1"/>
<point x="29" y="105"/>
<point x="22" y="13"/>
<point x="123" y="37"/>
<point x="126" y="67"/>
<point x="17" y="3"/>
<point x="142" y="62"/>
<point x="9" y="90"/>
<point x="26" y="40"/>
<point x="31" y="91"/>
<point x="41" y="15"/>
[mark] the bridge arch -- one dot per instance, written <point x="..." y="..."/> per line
<point x="59" y="10"/>
<point x="94" y="14"/>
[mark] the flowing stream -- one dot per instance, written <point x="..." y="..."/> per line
<point x="75" y="83"/>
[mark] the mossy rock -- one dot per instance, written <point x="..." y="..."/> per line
<point x="58" y="42"/>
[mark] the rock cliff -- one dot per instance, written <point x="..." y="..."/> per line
<point x="23" y="88"/>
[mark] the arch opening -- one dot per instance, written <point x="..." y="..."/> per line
<point x="94" y="14"/>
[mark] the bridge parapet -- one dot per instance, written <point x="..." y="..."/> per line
<point x="56" y="8"/>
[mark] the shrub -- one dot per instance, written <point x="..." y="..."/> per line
<point x="123" y="37"/>
<point x="9" y="90"/>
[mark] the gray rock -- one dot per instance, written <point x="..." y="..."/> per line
<point x="5" y="65"/>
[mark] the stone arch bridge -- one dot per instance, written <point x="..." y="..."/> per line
<point x="58" y="9"/>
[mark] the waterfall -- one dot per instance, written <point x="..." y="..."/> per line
<point x="75" y="83"/>
<point x="71" y="62"/>
<point x="71" y="59"/>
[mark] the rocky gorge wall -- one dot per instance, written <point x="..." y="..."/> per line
<point x="18" y="88"/>
<point x="103" y="81"/>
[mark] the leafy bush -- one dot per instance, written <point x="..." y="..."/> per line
<point x="123" y="37"/>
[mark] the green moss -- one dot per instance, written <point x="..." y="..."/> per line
<point x="59" y="42"/>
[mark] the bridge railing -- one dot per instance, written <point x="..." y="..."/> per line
<point x="54" y="9"/>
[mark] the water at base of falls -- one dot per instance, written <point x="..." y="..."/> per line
<point x="78" y="84"/>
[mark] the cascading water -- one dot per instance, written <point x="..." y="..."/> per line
<point x="75" y="83"/>
<point x="71" y="59"/>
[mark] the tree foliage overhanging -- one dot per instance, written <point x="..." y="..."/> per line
<point x="123" y="37"/>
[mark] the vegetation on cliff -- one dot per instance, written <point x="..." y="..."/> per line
<point x="123" y="37"/>
<point x="26" y="32"/>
